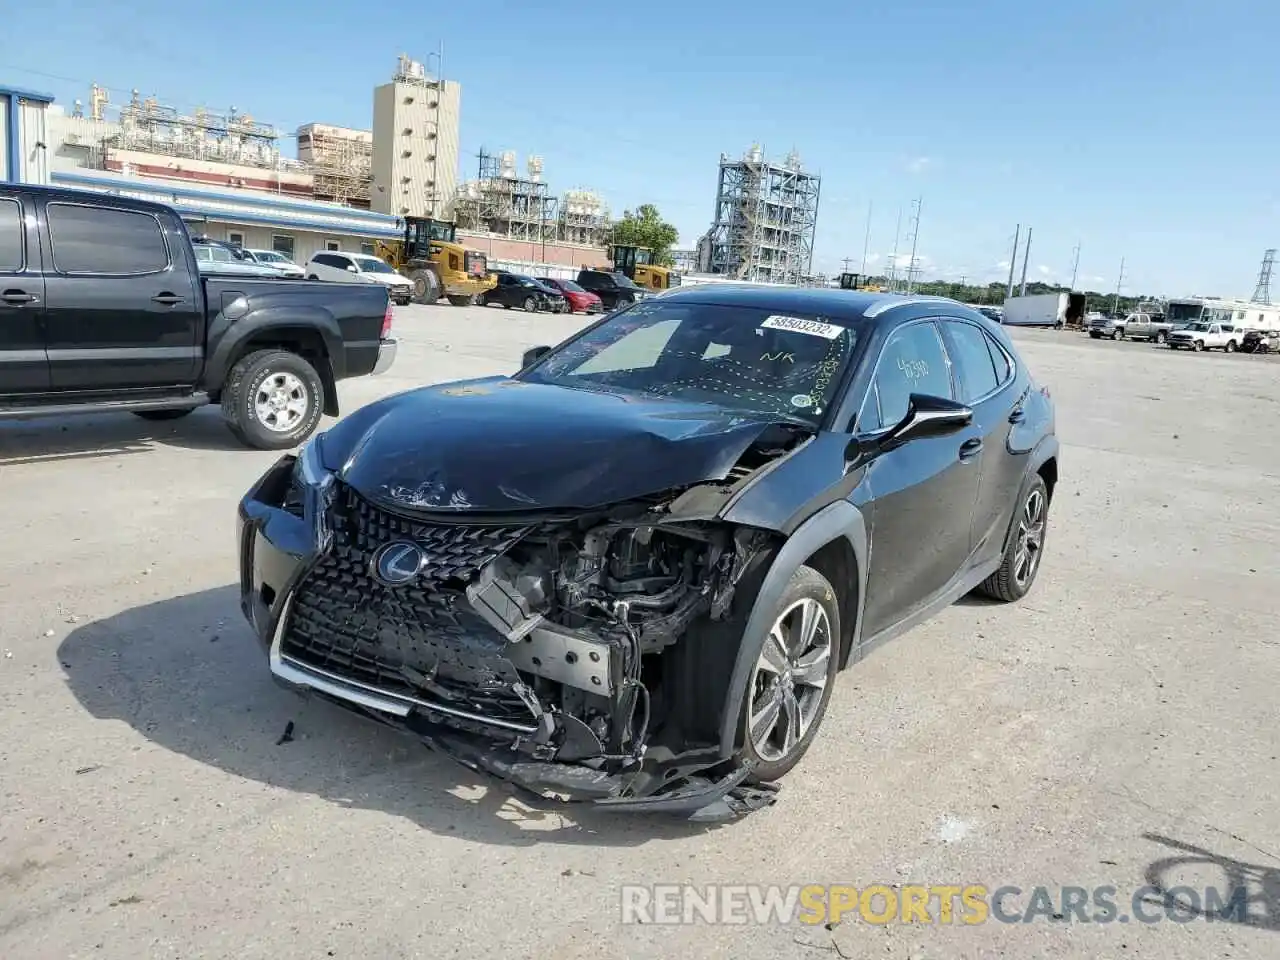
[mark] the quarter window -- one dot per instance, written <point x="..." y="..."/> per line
<point x="282" y="243"/>
<point x="913" y="361"/>
<point x="101" y="240"/>
<point x="10" y="235"/>
<point x="975" y="368"/>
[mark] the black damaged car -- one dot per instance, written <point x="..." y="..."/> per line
<point x="631" y="572"/>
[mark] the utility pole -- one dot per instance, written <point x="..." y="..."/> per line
<point x="1026" y="258"/>
<point x="1013" y="259"/>
<point x="1075" y="268"/>
<point x="915" y="237"/>
<point x="1115" y="302"/>
<point x="866" y="243"/>
<point x="893" y="264"/>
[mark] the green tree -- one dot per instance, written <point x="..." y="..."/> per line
<point x="646" y="228"/>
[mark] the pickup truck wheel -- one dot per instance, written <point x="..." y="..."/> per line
<point x="272" y="399"/>
<point x="1231" y="346"/>
<point x="1199" y="346"/>
<point x="1160" y="337"/>
<point x="164" y="414"/>
<point x="791" y="683"/>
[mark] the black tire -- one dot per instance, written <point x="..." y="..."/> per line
<point x="313" y="277"/>
<point x="530" y="305"/>
<point x="425" y="287"/>
<point x="1199" y="347"/>
<point x="1006" y="584"/>
<point x="241" y="388"/>
<point x="1094" y="336"/>
<point x="805" y="584"/>
<point x="460" y="301"/>
<point x="1160" y="337"/>
<point x="1230" y="347"/>
<point x="164" y="414"/>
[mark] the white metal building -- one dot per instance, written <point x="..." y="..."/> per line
<point x="258" y="221"/>
<point x="23" y="136"/>
<point x="415" y="143"/>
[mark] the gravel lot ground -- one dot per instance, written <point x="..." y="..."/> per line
<point x="1118" y="727"/>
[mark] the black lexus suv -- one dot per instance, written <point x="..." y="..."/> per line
<point x="631" y="572"/>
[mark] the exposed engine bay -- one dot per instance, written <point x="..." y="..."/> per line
<point x="583" y="657"/>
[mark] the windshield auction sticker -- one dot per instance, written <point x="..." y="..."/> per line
<point x="813" y="328"/>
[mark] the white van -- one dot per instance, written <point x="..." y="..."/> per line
<point x="359" y="268"/>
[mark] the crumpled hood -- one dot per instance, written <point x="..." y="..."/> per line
<point x="499" y="445"/>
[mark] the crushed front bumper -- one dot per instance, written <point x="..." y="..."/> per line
<point x="277" y="549"/>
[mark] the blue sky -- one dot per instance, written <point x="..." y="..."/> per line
<point x="1139" y="129"/>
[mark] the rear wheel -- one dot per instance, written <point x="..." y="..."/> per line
<point x="1231" y="346"/>
<point x="791" y="683"/>
<point x="1199" y="346"/>
<point x="1160" y="337"/>
<point x="426" y="289"/>
<point x="272" y="399"/>
<point x="1017" y="572"/>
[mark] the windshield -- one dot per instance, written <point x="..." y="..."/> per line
<point x="371" y="265"/>
<point x="1183" y="312"/>
<point x="570" y="286"/>
<point x="268" y="256"/>
<point x="739" y="357"/>
<point x="1199" y="327"/>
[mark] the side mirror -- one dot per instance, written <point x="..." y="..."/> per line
<point x="533" y="355"/>
<point x="928" y="416"/>
<point x="351" y="268"/>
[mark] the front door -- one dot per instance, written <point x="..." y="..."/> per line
<point x="24" y="365"/>
<point x="122" y="307"/>
<point x="922" y="493"/>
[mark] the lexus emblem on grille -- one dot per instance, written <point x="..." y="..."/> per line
<point x="398" y="562"/>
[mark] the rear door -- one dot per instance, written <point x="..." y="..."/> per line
<point x="24" y="364"/>
<point x="123" y="307"/>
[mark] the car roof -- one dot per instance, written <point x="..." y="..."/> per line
<point x="95" y="197"/>
<point x="889" y="308"/>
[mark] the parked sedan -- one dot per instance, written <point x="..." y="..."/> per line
<point x="638" y="584"/>
<point x="219" y="258"/>
<point x="577" y="299"/>
<point x="520" y="290"/>
<point x="277" y="261"/>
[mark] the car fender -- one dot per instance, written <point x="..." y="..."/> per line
<point x="229" y="333"/>
<point x="839" y="519"/>
<point x="1043" y="452"/>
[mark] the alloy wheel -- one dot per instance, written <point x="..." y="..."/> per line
<point x="1029" y="542"/>
<point x="281" y="402"/>
<point x="789" y="680"/>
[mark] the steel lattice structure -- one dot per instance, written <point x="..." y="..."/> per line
<point x="766" y="217"/>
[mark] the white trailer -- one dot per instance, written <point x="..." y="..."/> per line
<point x="1043" y="310"/>
<point x="1240" y="313"/>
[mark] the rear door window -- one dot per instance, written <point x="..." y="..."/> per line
<point x="104" y="241"/>
<point x="11" y="236"/>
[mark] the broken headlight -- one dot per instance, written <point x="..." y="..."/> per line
<point x="311" y="491"/>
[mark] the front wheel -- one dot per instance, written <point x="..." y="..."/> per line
<point x="272" y="399"/>
<point x="791" y="683"/>
<point x="1017" y="571"/>
<point x="1160" y="337"/>
<point x="530" y="305"/>
<point x="1199" y="346"/>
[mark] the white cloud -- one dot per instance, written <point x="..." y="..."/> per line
<point x="1002" y="265"/>
<point x="919" y="165"/>
<point x="873" y="258"/>
<point x="1044" y="271"/>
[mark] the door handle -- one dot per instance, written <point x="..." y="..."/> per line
<point x="168" y="299"/>
<point x="1017" y="416"/>
<point x="17" y="298"/>
<point x="970" y="448"/>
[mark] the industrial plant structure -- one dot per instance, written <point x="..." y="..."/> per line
<point x="415" y="143"/>
<point x="765" y="220"/>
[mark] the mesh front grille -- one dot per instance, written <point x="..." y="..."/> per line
<point x="420" y="639"/>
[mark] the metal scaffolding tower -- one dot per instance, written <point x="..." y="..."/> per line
<point x="1262" y="293"/>
<point x="505" y="204"/>
<point x="765" y="220"/>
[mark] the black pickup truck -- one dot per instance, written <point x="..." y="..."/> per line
<point x="103" y="307"/>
